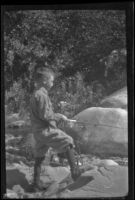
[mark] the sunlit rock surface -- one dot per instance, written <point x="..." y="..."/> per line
<point x="117" y="100"/>
<point x="105" y="178"/>
<point x="102" y="181"/>
<point x="101" y="131"/>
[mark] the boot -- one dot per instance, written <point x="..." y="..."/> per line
<point x="75" y="170"/>
<point x="37" y="184"/>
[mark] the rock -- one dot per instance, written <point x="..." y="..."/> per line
<point x="11" y="118"/>
<point x="16" y="177"/>
<point x="16" y="124"/>
<point x="9" y="138"/>
<point x="108" y="162"/>
<point x="110" y="182"/>
<point x="103" y="162"/>
<point x="55" y="173"/>
<point x="18" y="189"/>
<point x="51" y="190"/>
<point x="12" y="141"/>
<point x="116" y="100"/>
<point x="21" y="174"/>
<point x="11" y="158"/>
<point x="17" y="120"/>
<point x="105" y="179"/>
<point x="101" y="131"/>
<point x="16" y="132"/>
<point x="11" y="194"/>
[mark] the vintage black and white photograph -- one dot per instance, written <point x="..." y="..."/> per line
<point x="66" y="103"/>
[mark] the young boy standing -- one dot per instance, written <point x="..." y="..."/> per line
<point x="45" y="131"/>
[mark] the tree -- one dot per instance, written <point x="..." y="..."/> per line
<point x="69" y="42"/>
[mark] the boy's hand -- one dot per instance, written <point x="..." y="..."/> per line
<point x="64" y="118"/>
<point x="71" y="123"/>
<point x="60" y="116"/>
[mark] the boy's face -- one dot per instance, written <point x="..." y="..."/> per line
<point x="48" y="83"/>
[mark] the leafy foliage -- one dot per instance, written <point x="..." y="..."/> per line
<point x="77" y="44"/>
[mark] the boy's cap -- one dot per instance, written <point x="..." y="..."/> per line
<point x="44" y="71"/>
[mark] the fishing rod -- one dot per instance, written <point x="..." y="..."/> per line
<point x="79" y="123"/>
<point x="95" y="125"/>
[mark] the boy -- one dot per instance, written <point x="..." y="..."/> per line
<point x="44" y="128"/>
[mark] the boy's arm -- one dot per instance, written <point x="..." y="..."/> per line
<point x="45" y="111"/>
<point x="59" y="116"/>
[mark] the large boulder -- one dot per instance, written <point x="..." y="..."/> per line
<point x="116" y="100"/>
<point x="102" y="131"/>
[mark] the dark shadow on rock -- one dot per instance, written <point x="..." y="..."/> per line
<point x="106" y="149"/>
<point x="15" y="177"/>
<point x="82" y="181"/>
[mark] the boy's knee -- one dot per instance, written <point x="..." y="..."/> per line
<point x="71" y="141"/>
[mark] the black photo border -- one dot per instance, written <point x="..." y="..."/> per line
<point x="129" y="9"/>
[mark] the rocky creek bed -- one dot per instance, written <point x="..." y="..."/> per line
<point x="108" y="177"/>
